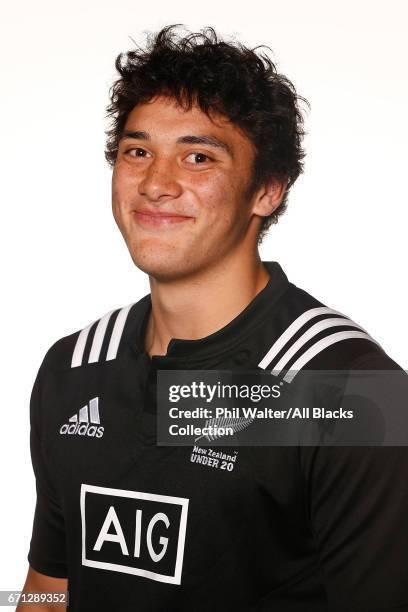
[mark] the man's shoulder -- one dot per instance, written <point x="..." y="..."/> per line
<point x="307" y="333"/>
<point x="96" y="341"/>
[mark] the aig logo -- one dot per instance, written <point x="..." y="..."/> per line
<point x="133" y="532"/>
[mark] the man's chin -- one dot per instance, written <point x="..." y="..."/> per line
<point x="165" y="267"/>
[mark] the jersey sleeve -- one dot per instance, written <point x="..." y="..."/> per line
<point x="357" y="504"/>
<point x="47" y="552"/>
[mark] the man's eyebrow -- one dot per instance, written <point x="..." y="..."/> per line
<point x="138" y="135"/>
<point x="211" y="141"/>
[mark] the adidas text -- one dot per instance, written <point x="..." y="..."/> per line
<point x="82" y="429"/>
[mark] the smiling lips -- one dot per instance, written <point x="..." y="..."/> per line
<point x="158" y="219"/>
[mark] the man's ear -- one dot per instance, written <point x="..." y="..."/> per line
<point x="269" y="197"/>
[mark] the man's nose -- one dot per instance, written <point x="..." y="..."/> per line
<point x="160" y="181"/>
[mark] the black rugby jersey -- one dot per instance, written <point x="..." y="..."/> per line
<point x="136" y="526"/>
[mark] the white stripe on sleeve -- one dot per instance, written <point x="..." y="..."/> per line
<point x="291" y="331"/>
<point x="98" y="337"/>
<point x="312" y="331"/>
<point x="117" y="332"/>
<point x="320" y="346"/>
<point x="78" y="353"/>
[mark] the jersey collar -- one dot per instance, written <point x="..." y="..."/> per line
<point x="224" y="340"/>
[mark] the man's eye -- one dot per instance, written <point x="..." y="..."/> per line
<point x="137" y="152"/>
<point x="198" y="158"/>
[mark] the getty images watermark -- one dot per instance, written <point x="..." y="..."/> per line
<point x="253" y="408"/>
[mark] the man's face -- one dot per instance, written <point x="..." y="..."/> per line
<point x="179" y="189"/>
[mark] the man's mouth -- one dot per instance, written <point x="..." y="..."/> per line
<point x="158" y="219"/>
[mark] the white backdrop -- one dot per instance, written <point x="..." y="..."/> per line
<point x="64" y="262"/>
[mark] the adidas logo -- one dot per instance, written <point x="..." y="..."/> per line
<point x="85" y="422"/>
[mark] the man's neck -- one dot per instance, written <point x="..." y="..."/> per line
<point x="196" y="307"/>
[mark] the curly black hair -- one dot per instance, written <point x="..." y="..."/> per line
<point x="225" y="77"/>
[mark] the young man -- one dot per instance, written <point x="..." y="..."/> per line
<point x="205" y="144"/>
